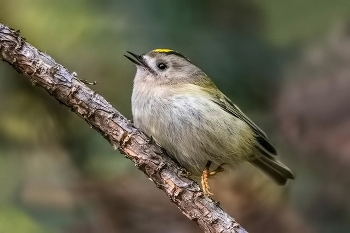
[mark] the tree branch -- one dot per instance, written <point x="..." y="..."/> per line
<point x="43" y="71"/>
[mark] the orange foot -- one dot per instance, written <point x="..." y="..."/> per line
<point x="206" y="174"/>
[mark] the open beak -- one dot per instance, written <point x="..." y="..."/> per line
<point x="139" y="61"/>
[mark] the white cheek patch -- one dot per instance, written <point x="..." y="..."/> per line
<point x="152" y="62"/>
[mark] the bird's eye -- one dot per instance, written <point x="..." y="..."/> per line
<point x="162" y="66"/>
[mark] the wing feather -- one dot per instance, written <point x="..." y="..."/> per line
<point x="226" y="104"/>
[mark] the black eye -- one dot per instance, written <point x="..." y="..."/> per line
<point x="162" y="66"/>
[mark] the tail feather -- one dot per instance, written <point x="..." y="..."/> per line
<point x="274" y="169"/>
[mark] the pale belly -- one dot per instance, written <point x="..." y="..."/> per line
<point x="194" y="131"/>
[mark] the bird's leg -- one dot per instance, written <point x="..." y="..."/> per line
<point x="204" y="180"/>
<point x="219" y="169"/>
<point x="206" y="174"/>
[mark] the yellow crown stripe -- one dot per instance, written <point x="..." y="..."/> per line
<point x="163" y="50"/>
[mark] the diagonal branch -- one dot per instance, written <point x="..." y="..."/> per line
<point x="43" y="71"/>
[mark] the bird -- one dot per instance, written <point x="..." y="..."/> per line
<point x="176" y="104"/>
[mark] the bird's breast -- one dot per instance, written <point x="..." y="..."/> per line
<point x="192" y="128"/>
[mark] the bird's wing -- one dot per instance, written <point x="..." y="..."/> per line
<point x="264" y="145"/>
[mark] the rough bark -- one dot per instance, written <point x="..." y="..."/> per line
<point x="43" y="71"/>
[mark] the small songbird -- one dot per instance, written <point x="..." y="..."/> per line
<point x="177" y="104"/>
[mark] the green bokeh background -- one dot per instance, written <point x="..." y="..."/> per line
<point x="49" y="157"/>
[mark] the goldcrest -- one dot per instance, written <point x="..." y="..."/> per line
<point x="178" y="105"/>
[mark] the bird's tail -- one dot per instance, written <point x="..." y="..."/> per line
<point x="274" y="169"/>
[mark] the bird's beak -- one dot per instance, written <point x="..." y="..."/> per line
<point x="139" y="60"/>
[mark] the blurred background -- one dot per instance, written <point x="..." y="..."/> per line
<point x="285" y="63"/>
